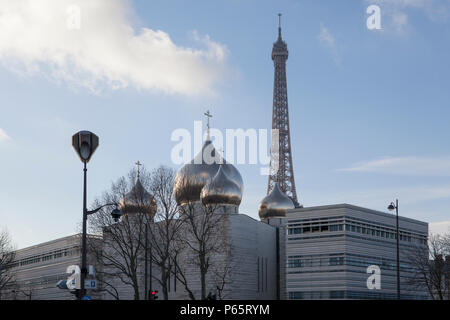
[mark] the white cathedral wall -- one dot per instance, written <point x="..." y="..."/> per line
<point x="251" y="254"/>
<point x="253" y="246"/>
<point x="252" y="262"/>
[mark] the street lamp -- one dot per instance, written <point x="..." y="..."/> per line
<point x="391" y="207"/>
<point x="85" y="143"/>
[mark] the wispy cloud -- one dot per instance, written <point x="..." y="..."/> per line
<point x="395" y="13"/>
<point x="328" y="41"/>
<point x="424" y="166"/>
<point x="92" y="44"/>
<point x="3" y="136"/>
<point x="413" y="199"/>
<point x="442" y="227"/>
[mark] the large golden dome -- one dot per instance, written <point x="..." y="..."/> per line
<point x="193" y="176"/>
<point x="221" y="190"/>
<point x="275" y="204"/>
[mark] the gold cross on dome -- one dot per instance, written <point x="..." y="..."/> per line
<point x="208" y="115"/>
<point x="138" y="164"/>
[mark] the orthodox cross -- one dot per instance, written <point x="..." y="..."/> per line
<point x="138" y="164"/>
<point x="208" y="115"/>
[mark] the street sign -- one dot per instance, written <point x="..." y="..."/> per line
<point x="62" y="284"/>
<point x="90" y="284"/>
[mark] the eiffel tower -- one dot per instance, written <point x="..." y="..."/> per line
<point x="284" y="176"/>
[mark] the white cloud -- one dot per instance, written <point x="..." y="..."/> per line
<point x="41" y="37"/>
<point x="327" y="39"/>
<point x="3" y="136"/>
<point x="424" y="166"/>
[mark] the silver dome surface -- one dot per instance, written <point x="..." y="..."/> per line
<point x="193" y="176"/>
<point x="275" y="204"/>
<point x="221" y="190"/>
<point x="138" y="200"/>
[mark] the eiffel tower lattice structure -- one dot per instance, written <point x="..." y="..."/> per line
<point x="283" y="174"/>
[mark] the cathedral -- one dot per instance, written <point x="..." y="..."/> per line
<point x="249" y="254"/>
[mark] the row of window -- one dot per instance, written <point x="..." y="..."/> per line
<point x="333" y="227"/>
<point x="368" y="230"/>
<point x="315" y="262"/>
<point x="47" y="257"/>
<point x="348" y="260"/>
<point x="348" y="294"/>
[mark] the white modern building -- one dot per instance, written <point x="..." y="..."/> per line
<point x="329" y="249"/>
<point x="38" y="268"/>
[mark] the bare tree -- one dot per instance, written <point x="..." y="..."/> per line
<point x="431" y="265"/>
<point x="7" y="256"/>
<point x="119" y="254"/>
<point x="164" y="227"/>
<point x="222" y="272"/>
<point x="201" y="244"/>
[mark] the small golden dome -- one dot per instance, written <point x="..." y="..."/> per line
<point x="138" y="200"/>
<point x="275" y="204"/>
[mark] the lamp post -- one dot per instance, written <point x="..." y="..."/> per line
<point x="391" y="207"/>
<point x="85" y="143"/>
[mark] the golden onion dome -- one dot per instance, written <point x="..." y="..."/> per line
<point x="221" y="190"/>
<point x="193" y="176"/>
<point x="275" y="204"/>
<point x="138" y="200"/>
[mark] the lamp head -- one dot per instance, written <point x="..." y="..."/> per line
<point x="391" y="206"/>
<point x="116" y="214"/>
<point x="85" y="143"/>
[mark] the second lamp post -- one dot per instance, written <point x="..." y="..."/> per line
<point x="391" y="207"/>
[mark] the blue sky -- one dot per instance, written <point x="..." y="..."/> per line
<point x="369" y="109"/>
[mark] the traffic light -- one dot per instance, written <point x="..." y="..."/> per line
<point x="153" y="295"/>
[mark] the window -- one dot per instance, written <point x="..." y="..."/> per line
<point x="336" y="261"/>
<point x="336" y="227"/>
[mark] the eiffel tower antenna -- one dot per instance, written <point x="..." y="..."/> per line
<point x="283" y="173"/>
<point x="279" y="25"/>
